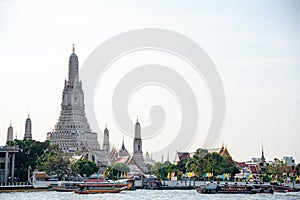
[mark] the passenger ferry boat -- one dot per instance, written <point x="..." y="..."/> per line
<point x="104" y="187"/>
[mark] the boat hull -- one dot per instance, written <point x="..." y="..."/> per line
<point x="114" y="190"/>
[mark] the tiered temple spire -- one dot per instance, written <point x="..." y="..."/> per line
<point x="28" y="133"/>
<point x="72" y="132"/>
<point x="10" y="132"/>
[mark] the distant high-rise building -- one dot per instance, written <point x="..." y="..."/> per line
<point x="106" y="146"/>
<point x="28" y="134"/>
<point x="10" y="134"/>
<point x="72" y="132"/>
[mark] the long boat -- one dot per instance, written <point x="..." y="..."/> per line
<point x="227" y="189"/>
<point x="262" y="188"/>
<point x="279" y="187"/>
<point x="104" y="187"/>
<point x="64" y="186"/>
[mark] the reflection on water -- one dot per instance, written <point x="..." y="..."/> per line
<point x="143" y="194"/>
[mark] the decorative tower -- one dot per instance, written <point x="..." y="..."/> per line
<point x="10" y="132"/>
<point x="106" y="146"/>
<point x="137" y="148"/>
<point x="72" y="132"/>
<point x="28" y="135"/>
<point x="123" y="151"/>
<point x="262" y="159"/>
<point x="137" y="143"/>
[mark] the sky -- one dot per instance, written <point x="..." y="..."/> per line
<point x="254" y="45"/>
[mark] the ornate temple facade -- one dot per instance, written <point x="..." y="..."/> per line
<point x="136" y="161"/>
<point x="72" y="132"/>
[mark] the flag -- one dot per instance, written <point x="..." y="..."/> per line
<point x="169" y="175"/>
<point x="223" y="176"/>
<point x="204" y="175"/>
<point x="249" y="176"/>
<point x="172" y="174"/>
<point x="98" y="173"/>
<point x="227" y="175"/>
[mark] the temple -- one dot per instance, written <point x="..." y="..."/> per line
<point x="136" y="161"/>
<point x="72" y="132"/>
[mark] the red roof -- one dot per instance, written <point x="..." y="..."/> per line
<point x="183" y="155"/>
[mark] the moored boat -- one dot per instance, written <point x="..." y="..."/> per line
<point x="261" y="188"/>
<point x="104" y="187"/>
<point x="279" y="187"/>
<point x="226" y="189"/>
<point x="64" y="186"/>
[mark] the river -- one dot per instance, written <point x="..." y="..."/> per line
<point x="143" y="194"/>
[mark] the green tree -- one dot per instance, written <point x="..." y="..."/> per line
<point x="160" y="170"/>
<point x="119" y="168"/>
<point x="277" y="167"/>
<point x="181" y="165"/>
<point x="212" y="162"/>
<point x="84" y="166"/>
<point x="108" y="172"/>
<point x="28" y="155"/>
<point x="53" y="162"/>
<point x="114" y="171"/>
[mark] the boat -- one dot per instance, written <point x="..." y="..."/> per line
<point x="279" y="187"/>
<point x="262" y="188"/>
<point x="128" y="182"/>
<point x="208" y="189"/>
<point x="64" y="186"/>
<point x="104" y="187"/>
<point x="226" y="189"/>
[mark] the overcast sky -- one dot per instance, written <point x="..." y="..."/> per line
<point x="254" y="45"/>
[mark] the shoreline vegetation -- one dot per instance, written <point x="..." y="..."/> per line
<point x="41" y="156"/>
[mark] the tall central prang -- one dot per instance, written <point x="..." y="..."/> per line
<point x="72" y="131"/>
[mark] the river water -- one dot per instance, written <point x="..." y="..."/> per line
<point x="142" y="194"/>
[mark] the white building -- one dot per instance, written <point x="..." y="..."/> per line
<point x="288" y="161"/>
